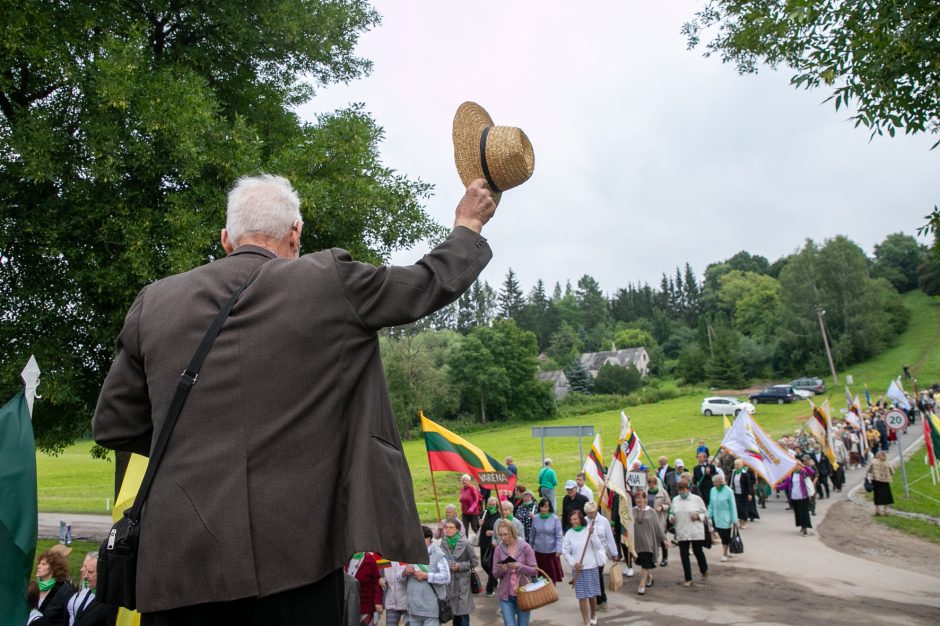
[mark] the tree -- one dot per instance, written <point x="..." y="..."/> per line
<point x="510" y="297"/>
<point x="691" y="365"/>
<point x="723" y="370"/>
<point x="881" y="56"/>
<point x="633" y="338"/>
<point x="753" y="300"/>
<point x="493" y="369"/>
<point x="862" y="315"/>
<point x="612" y="379"/>
<point x="476" y="307"/>
<point x="565" y="344"/>
<point x="928" y="272"/>
<point x="538" y="315"/>
<point x="417" y="378"/>
<point x="122" y="125"/>
<point x="897" y="259"/>
<point x="579" y="378"/>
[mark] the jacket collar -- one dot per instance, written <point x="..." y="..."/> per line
<point x="249" y="249"/>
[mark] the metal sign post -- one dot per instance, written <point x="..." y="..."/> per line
<point x="897" y="420"/>
<point x="564" y="431"/>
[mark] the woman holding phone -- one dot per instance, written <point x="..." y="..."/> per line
<point x="513" y="559"/>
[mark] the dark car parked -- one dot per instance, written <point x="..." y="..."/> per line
<point x="816" y="385"/>
<point x="774" y="394"/>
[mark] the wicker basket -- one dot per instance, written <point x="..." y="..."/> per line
<point x="529" y="600"/>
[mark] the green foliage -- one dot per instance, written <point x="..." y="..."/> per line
<point x="415" y="367"/>
<point x="538" y="315"/>
<point x="880" y="56"/>
<point x="476" y="307"/>
<point x="613" y="379"/>
<point x="862" y="315"/>
<point x="493" y="370"/>
<point x="928" y="275"/>
<point x="897" y="259"/>
<point x="578" y="378"/>
<point x="753" y="301"/>
<point x="122" y="126"/>
<point x="594" y="313"/>
<point x="565" y="344"/>
<point x="510" y="297"/>
<point x="633" y="338"/>
<point x="692" y="362"/>
<point x="723" y="369"/>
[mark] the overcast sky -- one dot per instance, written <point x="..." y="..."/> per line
<point x="647" y="155"/>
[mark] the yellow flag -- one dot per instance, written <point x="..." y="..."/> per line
<point x="134" y="475"/>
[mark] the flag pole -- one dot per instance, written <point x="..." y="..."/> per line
<point x="437" y="501"/>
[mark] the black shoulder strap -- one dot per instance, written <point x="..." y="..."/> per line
<point x="187" y="379"/>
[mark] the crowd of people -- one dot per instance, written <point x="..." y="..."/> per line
<point x="516" y="537"/>
<point x="521" y="536"/>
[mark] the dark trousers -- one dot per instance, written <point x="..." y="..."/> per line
<point x="838" y="478"/>
<point x="470" y="521"/>
<point x="699" y="557"/>
<point x="461" y="620"/>
<point x="600" y="575"/>
<point x="822" y="483"/>
<point x="317" y="603"/>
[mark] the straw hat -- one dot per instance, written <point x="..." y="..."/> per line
<point x="501" y="155"/>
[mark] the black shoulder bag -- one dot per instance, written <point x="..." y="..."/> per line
<point x="117" y="556"/>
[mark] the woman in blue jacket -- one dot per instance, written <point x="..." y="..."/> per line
<point x="723" y="513"/>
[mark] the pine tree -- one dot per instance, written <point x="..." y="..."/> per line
<point x="510" y="297"/>
<point x="578" y="377"/>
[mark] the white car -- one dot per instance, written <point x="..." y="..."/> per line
<point x="725" y="405"/>
<point x="802" y="393"/>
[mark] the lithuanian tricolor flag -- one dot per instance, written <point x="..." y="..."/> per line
<point x="449" y="452"/>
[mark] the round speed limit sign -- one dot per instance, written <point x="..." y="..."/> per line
<point x="896" y="420"/>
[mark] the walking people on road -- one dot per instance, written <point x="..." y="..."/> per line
<point x="723" y="514"/>
<point x="605" y="533"/>
<point x="585" y="553"/>
<point x="658" y="499"/>
<point x="688" y="514"/>
<point x="880" y="473"/>
<point x="547" y="541"/>
<point x="648" y="535"/>
<point x="513" y="562"/>
<point x="547" y="483"/>
<point x="800" y="489"/>
<point x="462" y="559"/>
<point x="471" y="504"/>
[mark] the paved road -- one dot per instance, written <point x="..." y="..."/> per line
<point x="774" y="550"/>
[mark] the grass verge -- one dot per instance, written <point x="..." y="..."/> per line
<point x="915" y="527"/>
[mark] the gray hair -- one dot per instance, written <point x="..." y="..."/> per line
<point x="507" y="504"/>
<point x="450" y="507"/>
<point x="91" y="555"/>
<point x="264" y="205"/>
<point x="590" y="507"/>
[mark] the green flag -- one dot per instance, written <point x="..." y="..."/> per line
<point x="18" y="509"/>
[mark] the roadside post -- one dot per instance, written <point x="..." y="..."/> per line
<point x="896" y="420"/>
<point x="564" y="431"/>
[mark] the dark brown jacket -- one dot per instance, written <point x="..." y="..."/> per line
<point x="286" y="458"/>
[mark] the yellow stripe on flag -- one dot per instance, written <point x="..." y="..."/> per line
<point x="428" y="426"/>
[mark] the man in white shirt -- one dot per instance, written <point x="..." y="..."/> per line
<point x="583" y="489"/>
<point x="606" y="534"/>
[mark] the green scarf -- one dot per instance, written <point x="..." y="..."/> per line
<point x="452" y="541"/>
<point x="577" y="529"/>
<point x="491" y="510"/>
<point x="46" y="585"/>
<point x="738" y="471"/>
<point x="653" y="490"/>
<point x="545" y="515"/>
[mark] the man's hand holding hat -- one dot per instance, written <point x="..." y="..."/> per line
<point x="476" y="207"/>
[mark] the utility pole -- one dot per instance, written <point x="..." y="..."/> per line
<point x="822" y="328"/>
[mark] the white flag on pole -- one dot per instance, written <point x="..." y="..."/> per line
<point x="747" y="441"/>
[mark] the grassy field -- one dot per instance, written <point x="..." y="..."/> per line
<point x="916" y="527"/>
<point x="74" y="482"/>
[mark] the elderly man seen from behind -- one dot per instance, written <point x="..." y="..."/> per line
<point x="292" y="397"/>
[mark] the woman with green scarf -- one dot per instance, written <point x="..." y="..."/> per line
<point x="488" y="539"/>
<point x="462" y="559"/>
<point x="52" y="575"/>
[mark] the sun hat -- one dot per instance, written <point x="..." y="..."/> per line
<point x="502" y="155"/>
<point x="679" y="463"/>
<point x="571" y="485"/>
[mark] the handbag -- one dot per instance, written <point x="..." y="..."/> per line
<point x="117" y="556"/>
<point x="475" y="586"/>
<point x="869" y="487"/>
<point x="737" y="545"/>
<point x="708" y="537"/>
<point x="616" y="577"/>
<point x="537" y="598"/>
<point x="445" y="612"/>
